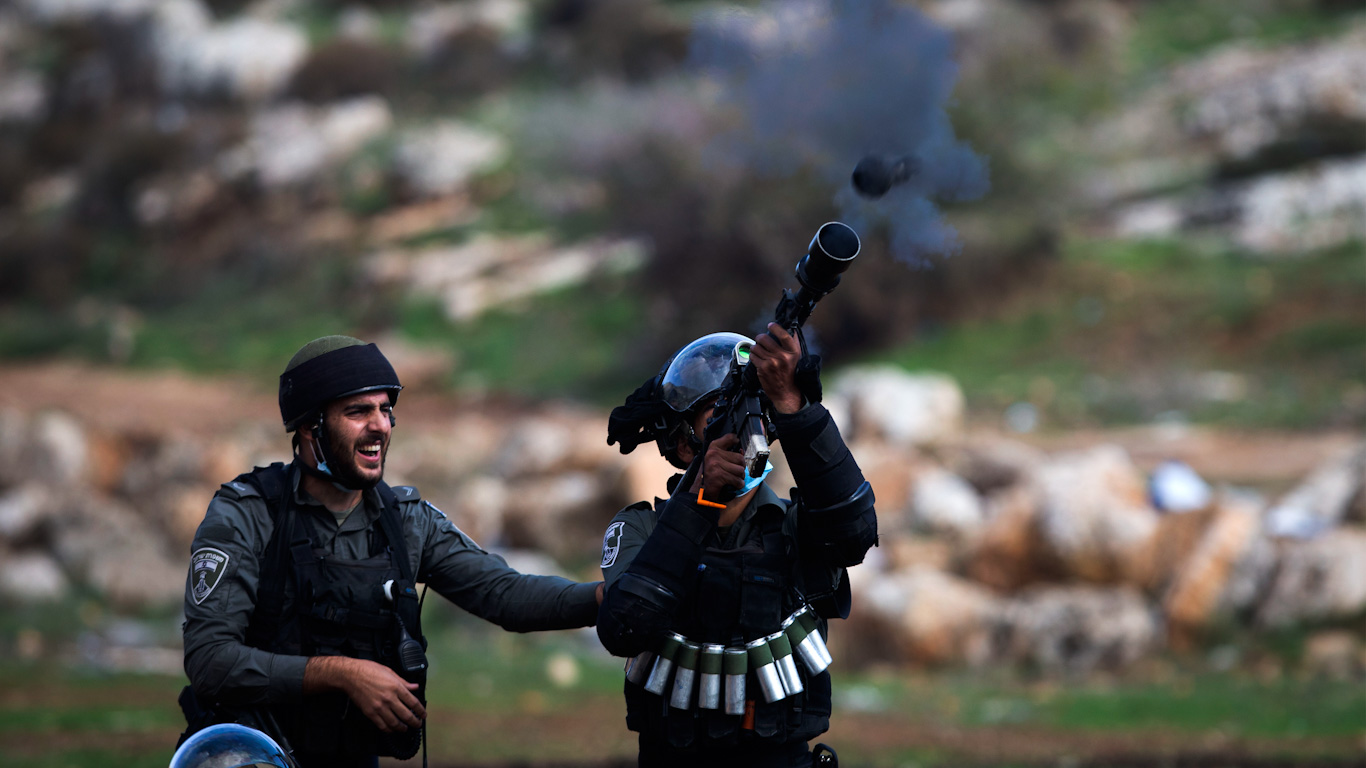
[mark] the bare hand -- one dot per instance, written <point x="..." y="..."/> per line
<point x="381" y="695"/>
<point x="775" y="356"/>
<point x="722" y="468"/>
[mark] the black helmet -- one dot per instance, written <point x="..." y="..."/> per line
<point x="660" y="409"/>
<point x="329" y="368"/>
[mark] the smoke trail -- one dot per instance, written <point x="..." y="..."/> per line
<point x="822" y="83"/>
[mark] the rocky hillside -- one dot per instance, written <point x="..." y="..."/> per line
<point x="549" y="196"/>
<point x="1066" y="558"/>
<point x="203" y="182"/>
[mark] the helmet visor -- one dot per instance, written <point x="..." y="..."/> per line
<point x="229" y="745"/>
<point x="700" y="368"/>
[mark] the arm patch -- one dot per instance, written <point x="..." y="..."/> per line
<point x="236" y="489"/>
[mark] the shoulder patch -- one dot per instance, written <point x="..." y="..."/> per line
<point x="236" y="489"/>
<point x="611" y="544"/>
<point x="433" y="508"/>
<point x="207" y="566"/>
<point x="406" y="493"/>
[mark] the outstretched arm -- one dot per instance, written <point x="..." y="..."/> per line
<point x="651" y="575"/>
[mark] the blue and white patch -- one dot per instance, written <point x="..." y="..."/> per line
<point x="433" y="508"/>
<point x="207" y="566"/>
<point x="611" y="544"/>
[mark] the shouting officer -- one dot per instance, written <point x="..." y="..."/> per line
<point x="301" y="614"/>
<point x="720" y="593"/>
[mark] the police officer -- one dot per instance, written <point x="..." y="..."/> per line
<point x="301" y="613"/>
<point x="725" y="568"/>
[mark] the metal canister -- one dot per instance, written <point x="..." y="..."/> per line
<point x="807" y="619"/>
<point x="735" y="665"/>
<point x="658" y="680"/>
<point x="709" y="666"/>
<point x="804" y="646"/>
<point x="685" y="673"/>
<point x="638" y="667"/>
<point x="787" y="665"/>
<point x="761" y="664"/>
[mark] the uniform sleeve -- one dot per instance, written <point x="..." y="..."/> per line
<point x="624" y="537"/>
<point x="838" y="518"/>
<point x="643" y="596"/>
<point x="220" y="595"/>
<point x="485" y="585"/>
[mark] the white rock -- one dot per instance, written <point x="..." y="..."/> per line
<point x="927" y="616"/>
<point x="439" y="159"/>
<point x="59" y="449"/>
<point x="1318" y="579"/>
<point x="295" y="143"/>
<point x="245" y="58"/>
<point x="944" y="503"/>
<point x="22" y="510"/>
<point x="430" y="27"/>
<point x="491" y="271"/>
<point x="32" y="577"/>
<point x="1077" y="629"/>
<point x="904" y="408"/>
<point x="1322" y="500"/>
<point x="1094" y="514"/>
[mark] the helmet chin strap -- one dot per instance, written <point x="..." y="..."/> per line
<point x="322" y="471"/>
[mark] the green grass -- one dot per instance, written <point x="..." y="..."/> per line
<point x="1087" y="343"/>
<point x="565" y="344"/>
<point x="494" y="692"/>
<point x="1233" y="705"/>
<point x="1167" y="32"/>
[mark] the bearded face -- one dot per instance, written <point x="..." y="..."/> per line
<point x="357" y="433"/>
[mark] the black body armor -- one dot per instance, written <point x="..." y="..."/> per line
<point x="715" y="611"/>
<point x="310" y="604"/>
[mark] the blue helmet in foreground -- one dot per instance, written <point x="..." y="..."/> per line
<point x="230" y="746"/>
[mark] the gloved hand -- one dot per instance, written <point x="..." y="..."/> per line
<point x="808" y="377"/>
<point x="635" y="421"/>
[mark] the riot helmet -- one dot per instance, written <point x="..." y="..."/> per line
<point x="689" y="380"/>
<point x="230" y="745"/>
<point x="661" y="409"/>
<point x="324" y="370"/>
<point x="329" y="368"/>
<point x="700" y="368"/>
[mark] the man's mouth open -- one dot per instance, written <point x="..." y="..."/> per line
<point x="370" y="453"/>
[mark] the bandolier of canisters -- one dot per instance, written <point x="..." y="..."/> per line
<point x="709" y="676"/>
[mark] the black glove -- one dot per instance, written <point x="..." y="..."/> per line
<point x="808" y="377"/>
<point x="637" y="421"/>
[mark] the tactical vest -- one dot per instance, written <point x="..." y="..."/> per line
<point x="738" y="596"/>
<point x="311" y="604"/>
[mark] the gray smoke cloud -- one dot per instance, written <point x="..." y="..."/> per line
<point x="822" y="83"/>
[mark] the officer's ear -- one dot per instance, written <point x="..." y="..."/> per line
<point x="311" y="425"/>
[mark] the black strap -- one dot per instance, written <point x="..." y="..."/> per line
<point x="388" y="520"/>
<point x="274" y="485"/>
<point x="275" y="482"/>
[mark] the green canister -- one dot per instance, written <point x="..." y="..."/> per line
<point x="735" y="665"/>
<point x="787" y="665"/>
<point x="804" y="646"/>
<point x="709" y="667"/>
<point x="761" y="664"/>
<point x="658" y="680"/>
<point x="685" y="672"/>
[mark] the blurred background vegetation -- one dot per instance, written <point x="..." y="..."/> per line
<point x="129" y="240"/>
